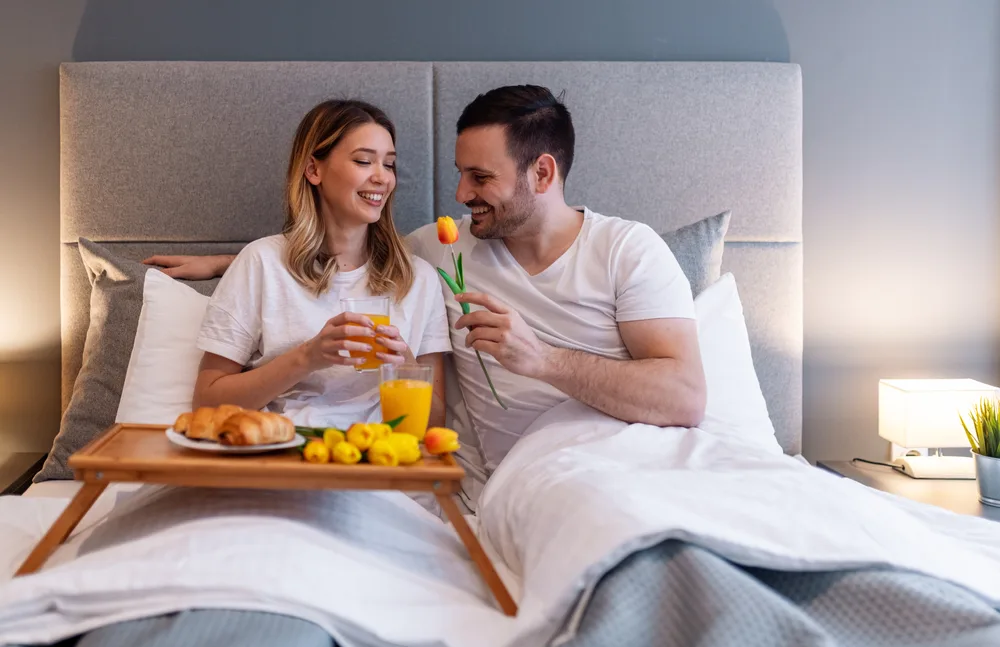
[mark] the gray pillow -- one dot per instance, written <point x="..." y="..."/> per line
<point x="698" y="248"/>
<point x="115" y="304"/>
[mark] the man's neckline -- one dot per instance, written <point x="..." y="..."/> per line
<point x="561" y="259"/>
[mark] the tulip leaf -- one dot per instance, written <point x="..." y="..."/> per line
<point x="395" y="421"/>
<point x="461" y="273"/>
<point x="450" y="281"/>
<point x="311" y="431"/>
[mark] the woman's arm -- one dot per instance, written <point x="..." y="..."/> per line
<point x="223" y="381"/>
<point x="438" y="403"/>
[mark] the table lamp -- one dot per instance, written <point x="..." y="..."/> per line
<point x="925" y="414"/>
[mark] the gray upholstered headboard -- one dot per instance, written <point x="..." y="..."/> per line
<point x="188" y="157"/>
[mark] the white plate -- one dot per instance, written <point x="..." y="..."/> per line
<point x="211" y="446"/>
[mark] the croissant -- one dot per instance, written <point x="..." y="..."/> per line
<point x="256" y="428"/>
<point x="205" y="422"/>
<point x="183" y="423"/>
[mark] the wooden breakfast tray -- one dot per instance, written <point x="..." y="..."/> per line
<point x="130" y="453"/>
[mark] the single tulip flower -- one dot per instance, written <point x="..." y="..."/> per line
<point x="332" y="436"/>
<point x="407" y="447"/>
<point x="345" y="453"/>
<point x="383" y="453"/>
<point x="447" y="230"/>
<point x="361" y="435"/>
<point x="381" y="429"/>
<point x="316" y="451"/>
<point x="448" y="234"/>
<point x="440" y="440"/>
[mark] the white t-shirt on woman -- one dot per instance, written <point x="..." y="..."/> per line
<point x="259" y="311"/>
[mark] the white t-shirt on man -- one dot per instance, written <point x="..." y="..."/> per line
<point x="259" y="311"/>
<point x="617" y="270"/>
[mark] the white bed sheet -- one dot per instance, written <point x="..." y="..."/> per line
<point x="53" y="489"/>
<point x="567" y="504"/>
<point x="68" y="489"/>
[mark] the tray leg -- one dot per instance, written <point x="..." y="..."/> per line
<point x="62" y="527"/>
<point x="478" y="554"/>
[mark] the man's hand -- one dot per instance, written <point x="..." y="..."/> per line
<point x="192" y="268"/>
<point x="663" y="383"/>
<point x="503" y="334"/>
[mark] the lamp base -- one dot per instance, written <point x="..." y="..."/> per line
<point x="937" y="467"/>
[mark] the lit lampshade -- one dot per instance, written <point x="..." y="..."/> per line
<point x="925" y="414"/>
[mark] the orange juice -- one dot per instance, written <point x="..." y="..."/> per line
<point x="411" y="398"/>
<point x="371" y="362"/>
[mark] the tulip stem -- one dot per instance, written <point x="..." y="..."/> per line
<point x="458" y="269"/>
<point x="457" y="286"/>
<point x="489" y="381"/>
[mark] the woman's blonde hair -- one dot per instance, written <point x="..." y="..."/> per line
<point x="389" y="268"/>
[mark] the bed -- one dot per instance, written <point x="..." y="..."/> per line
<point x="188" y="157"/>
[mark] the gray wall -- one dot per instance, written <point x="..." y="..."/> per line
<point x="35" y="36"/>
<point x="901" y="155"/>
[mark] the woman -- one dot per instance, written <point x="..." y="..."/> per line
<point x="274" y="333"/>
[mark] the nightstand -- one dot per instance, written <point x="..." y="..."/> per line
<point x="17" y="469"/>
<point x="958" y="495"/>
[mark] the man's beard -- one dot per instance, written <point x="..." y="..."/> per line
<point x="510" y="216"/>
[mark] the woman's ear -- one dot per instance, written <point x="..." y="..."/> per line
<point x="312" y="172"/>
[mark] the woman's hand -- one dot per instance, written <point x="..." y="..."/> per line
<point x="323" y="350"/>
<point x="397" y="352"/>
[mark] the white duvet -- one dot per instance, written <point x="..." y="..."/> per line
<point x="568" y="503"/>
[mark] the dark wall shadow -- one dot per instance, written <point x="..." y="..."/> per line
<point x="442" y="30"/>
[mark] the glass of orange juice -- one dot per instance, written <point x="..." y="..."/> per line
<point x="407" y="390"/>
<point x="376" y="309"/>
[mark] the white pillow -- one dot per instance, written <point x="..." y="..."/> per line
<point x="735" y="405"/>
<point x="162" y="370"/>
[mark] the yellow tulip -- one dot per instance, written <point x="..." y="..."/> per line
<point x="333" y="436"/>
<point x="407" y="447"/>
<point x="346" y="454"/>
<point x="383" y="453"/>
<point x="440" y="440"/>
<point x="361" y="435"/>
<point x="316" y="451"/>
<point x="381" y="429"/>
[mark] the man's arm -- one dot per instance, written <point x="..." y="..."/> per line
<point x="192" y="268"/>
<point x="663" y="384"/>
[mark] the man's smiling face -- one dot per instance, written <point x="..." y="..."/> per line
<point x="490" y="184"/>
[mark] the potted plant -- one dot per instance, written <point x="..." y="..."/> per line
<point x="984" y="438"/>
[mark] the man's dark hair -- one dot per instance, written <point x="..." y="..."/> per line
<point x="534" y="120"/>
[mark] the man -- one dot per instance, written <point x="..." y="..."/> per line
<point x="567" y="303"/>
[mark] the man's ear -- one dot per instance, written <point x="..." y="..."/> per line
<point x="546" y="173"/>
<point x="312" y="172"/>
